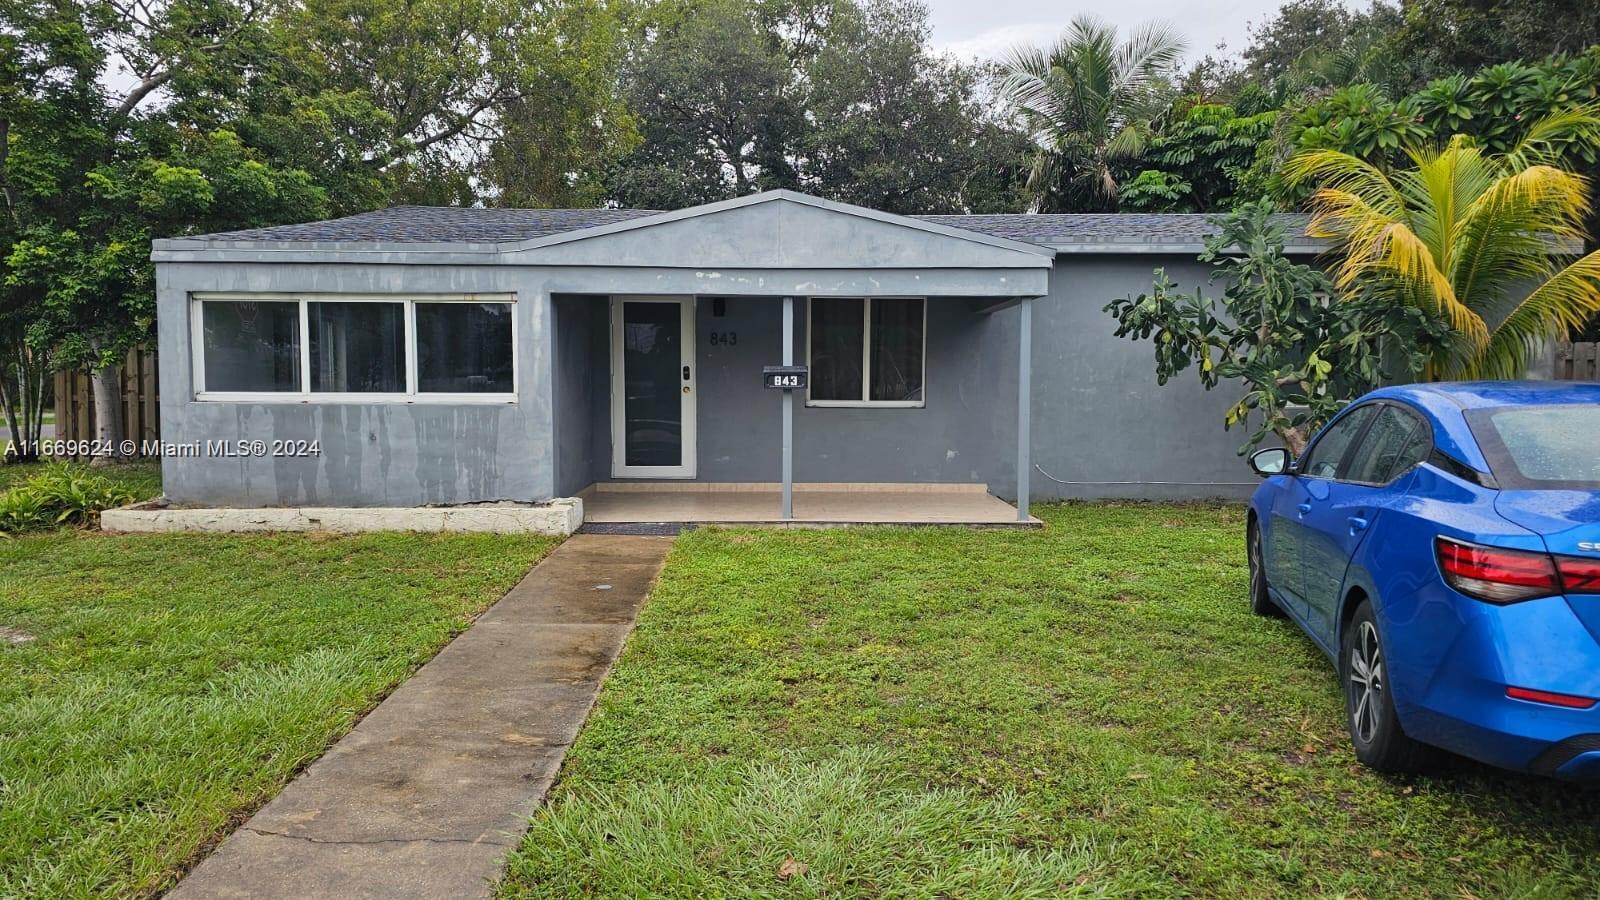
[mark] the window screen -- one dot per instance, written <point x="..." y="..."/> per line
<point x="464" y="348"/>
<point x="251" y="346"/>
<point x="867" y="351"/>
<point x="837" y="340"/>
<point x="896" y="350"/>
<point x="358" y="348"/>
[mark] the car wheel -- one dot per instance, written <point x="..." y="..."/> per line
<point x="1369" y="703"/>
<point x="1260" y="598"/>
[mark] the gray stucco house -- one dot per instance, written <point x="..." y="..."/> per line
<point x="460" y="355"/>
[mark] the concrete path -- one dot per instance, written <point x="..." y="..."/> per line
<point x="428" y="793"/>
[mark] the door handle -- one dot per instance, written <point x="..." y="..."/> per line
<point x="1305" y="508"/>
<point x="1357" y="523"/>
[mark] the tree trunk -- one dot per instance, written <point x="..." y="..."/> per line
<point x="21" y="399"/>
<point x="107" y="391"/>
<point x="1294" y="440"/>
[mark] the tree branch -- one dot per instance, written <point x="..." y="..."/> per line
<point x="461" y="124"/>
<point x="137" y="96"/>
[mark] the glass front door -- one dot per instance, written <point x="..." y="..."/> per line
<point x="652" y="387"/>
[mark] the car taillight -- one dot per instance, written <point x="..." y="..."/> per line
<point x="1579" y="575"/>
<point x="1497" y="574"/>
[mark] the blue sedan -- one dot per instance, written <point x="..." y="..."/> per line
<point x="1441" y="543"/>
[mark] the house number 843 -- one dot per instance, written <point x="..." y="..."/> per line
<point x="724" y="338"/>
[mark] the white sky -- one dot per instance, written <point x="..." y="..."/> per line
<point x="985" y="28"/>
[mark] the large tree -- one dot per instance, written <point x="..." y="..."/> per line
<point x="1090" y="102"/>
<point x="447" y="101"/>
<point x="840" y="98"/>
<point x="90" y="171"/>
<point x="1450" y="36"/>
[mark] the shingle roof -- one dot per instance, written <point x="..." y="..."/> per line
<point x="1058" y="229"/>
<point x="429" y="224"/>
<point x="439" y="224"/>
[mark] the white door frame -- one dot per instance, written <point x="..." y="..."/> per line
<point x="686" y="343"/>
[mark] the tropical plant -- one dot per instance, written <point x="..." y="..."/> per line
<point x="1472" y="236"/>
<point x="60" y="494"/>
<point x="1089" y="103"/>
<point x="1299" y="355"/>
<point x="1197" y="161"/>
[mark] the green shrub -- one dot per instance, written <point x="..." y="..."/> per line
<point x="60" y="494"/>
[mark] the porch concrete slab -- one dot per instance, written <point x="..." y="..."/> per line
<point x="958" y="506"/>
<point x="429" y="792"/>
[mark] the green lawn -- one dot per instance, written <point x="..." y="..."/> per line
<point x="143" y="477"/>
<point x="175" y="682"/>
<point x="1087" y="710"/>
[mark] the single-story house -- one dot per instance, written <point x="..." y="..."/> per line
<point x="416" y="356"/>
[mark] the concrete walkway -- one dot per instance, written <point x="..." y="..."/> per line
<point x="428" y="793"/>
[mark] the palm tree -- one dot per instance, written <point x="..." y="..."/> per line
<point x="1089" y="102"/>
<point x="1471" y="236"/>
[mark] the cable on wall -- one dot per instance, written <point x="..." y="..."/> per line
<point x="1041" y="471"/>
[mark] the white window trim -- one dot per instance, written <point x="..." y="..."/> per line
<point x="866" y="359"/>
<point x="307" y="396"/>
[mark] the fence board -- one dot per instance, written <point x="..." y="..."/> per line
<point x="1577" y="361"/>
<point x="139" y="392"/>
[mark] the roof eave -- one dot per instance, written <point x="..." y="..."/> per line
<point x="1171" y="248"/>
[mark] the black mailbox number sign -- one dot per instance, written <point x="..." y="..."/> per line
<point x="787" y="378"/>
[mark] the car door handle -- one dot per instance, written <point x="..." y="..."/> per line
<point x="1305" y="508"/>
<point x="1357" y="524"/>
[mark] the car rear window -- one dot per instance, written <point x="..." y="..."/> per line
<point x="1541" y="447"/>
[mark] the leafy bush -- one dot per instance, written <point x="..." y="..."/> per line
<point x="60" y="494"/>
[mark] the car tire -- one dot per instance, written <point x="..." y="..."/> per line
<point x="1380" y="742"/>
<point x="1261" y="602"/>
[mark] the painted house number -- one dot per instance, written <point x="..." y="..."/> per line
<point x="724" y="338"/>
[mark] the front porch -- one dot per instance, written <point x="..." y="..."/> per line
<point x="816" y="504"/>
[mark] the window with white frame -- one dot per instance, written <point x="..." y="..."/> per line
<point x="866" y="351"/>
<point x="350" y="347"/>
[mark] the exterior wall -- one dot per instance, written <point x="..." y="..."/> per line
<point x="1099" y="418"/>
<point x="1098" y="414"/>
<point x="965" y="433"/>
<point x="373" y="454"/>
<point x="582" y="389"/>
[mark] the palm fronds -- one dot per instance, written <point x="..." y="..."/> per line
<point x="1469" y="235"/>
<point x="1088" y="102"/>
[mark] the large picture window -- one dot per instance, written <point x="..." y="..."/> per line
<point x="378" y="347"/>
<point x="866" y="352"/>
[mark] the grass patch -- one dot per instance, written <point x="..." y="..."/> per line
<point x="1087" y="710"/>
<point x="142" y="477"/>
<point x="164" y="685"/>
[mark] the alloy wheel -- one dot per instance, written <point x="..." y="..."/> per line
<point x="1257" y="575"/>
<point x="1366" y="682"/>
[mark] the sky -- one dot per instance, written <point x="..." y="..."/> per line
<point x="983" y="29"/>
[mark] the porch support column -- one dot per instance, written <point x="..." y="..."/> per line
<point x="788" y="412"/>
<point x="1024" y="404"/>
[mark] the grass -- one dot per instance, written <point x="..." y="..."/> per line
<point x="142" y="477"/>
<point x="1089" y="710"/>
<point x="173" y="683"/>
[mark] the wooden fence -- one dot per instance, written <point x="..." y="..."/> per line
<point x="141" y="401"/>
<point x="1577" y="361"/>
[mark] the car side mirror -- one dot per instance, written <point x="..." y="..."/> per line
<point x="1271" y="461"/>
